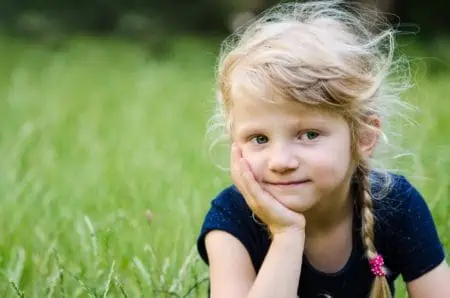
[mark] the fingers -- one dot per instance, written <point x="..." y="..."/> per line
<point x="252" y="186"/>
<point x="235" y="170"/>
<point x="261" y="200"/>
<point x="244" y="179"/>
<point x="240" y="176"/>
<point x="268" y="209"/>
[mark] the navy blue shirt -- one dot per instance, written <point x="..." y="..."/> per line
<point x="405" y="235"/>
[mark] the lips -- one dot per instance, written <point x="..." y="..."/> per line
<point x="288" y="183"/>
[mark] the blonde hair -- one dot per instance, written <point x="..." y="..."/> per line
<point x="325" y="54"/>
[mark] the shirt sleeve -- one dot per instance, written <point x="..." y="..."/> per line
<point x="230" y="213"/>
<point x="418" y="249"/>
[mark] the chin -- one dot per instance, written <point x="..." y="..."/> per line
<point x="297" y="203"/>
<point x="297" y="198"/>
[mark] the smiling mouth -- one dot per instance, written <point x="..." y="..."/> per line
<point x="289" y="183"/>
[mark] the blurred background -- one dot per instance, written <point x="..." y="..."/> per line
<point x="52" y="21"/>
<point x="106" y="173"/>
<point x="156" y="24"/>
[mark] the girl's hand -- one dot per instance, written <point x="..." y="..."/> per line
<point x="275" y="215"/>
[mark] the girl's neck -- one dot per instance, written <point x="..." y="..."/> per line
<point x="329" y="247"/>
<point x="332" y="212"/>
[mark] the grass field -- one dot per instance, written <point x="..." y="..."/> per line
<point x="96" y="134"/>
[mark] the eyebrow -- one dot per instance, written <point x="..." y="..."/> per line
<point x="251" y="126"/>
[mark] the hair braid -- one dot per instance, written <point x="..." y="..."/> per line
<point x="380" y="286"/>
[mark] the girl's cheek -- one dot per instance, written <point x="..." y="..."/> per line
<point x="328" y="167"/>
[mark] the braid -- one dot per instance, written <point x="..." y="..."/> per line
<point x="380" y="286"/>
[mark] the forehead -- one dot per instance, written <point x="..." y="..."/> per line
<point x="248" y="111"/>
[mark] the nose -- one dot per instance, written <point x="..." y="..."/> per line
<point x="282" y="159"/>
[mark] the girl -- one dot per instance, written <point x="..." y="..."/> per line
<point x="304" y="91"/>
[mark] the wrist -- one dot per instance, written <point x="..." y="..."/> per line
<point x="289" y="235"/>
<point x="293" y="230"/>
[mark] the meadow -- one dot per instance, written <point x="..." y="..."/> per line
<point x="106" y="173"/>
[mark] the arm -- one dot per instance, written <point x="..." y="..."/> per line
<point x="419" y="253"/>
<point x="232" y="273"/>
<point x="434" y="284"/>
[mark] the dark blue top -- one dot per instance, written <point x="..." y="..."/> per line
<point x="405" y="235"/>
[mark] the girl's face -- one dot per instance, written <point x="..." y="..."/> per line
<point x="299" y="155"/>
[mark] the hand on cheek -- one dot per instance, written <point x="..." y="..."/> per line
<point x="275" y="215"/>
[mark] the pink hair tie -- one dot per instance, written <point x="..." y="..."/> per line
<point x="376" y="266"/>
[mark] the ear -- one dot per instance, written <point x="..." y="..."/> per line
<point x="369" y="136"/>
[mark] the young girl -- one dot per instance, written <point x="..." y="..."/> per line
<point x="304" y="91"/>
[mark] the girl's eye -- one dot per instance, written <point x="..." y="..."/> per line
<point x="260" y="139"/>
<point x="310" y="135"/>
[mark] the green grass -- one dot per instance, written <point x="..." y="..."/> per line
<point x="96" y="133"/>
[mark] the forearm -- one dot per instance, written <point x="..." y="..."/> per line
<point x="279" y="274"/>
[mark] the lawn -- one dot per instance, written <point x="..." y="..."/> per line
<point x="107" y="173"/>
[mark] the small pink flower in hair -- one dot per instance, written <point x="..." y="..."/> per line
<point x="376" y="266"/>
